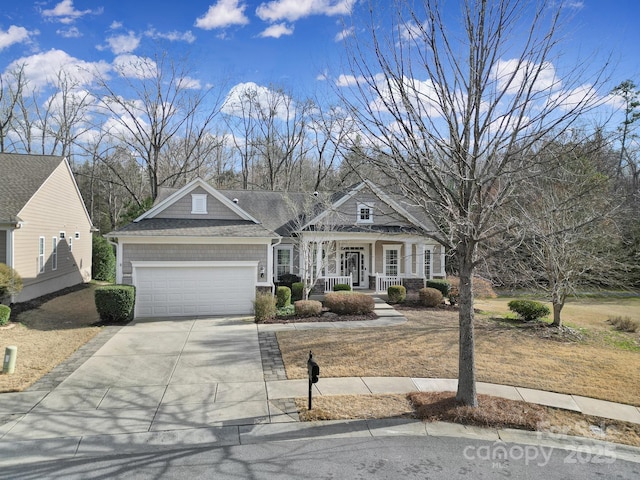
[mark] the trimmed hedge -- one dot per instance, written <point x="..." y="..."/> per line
<point x="103" y="266"/>
<point x="283" y="296"/>
<point x="443" y="285"/>
<point x="349" y="303"/>
<point x="10" y="281"/>
<point x="308" y="308"/>
<point x="288" y="279"/>
<point x="396" y="294"/>
<point x="264" y="307"/>
<point x="430" y="297"/>
<point x="341" y="287"/>
<point x="297" y="291"/>
<point x="5" y="313"/>
<point x="529" y="310"/>
<point x="115" y="303"/>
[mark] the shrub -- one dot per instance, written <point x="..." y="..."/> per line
<point x="341" y="287"/>
<point x="115" y="303"/>
<point x="625" y="324"/>
<point x="5" y="313"/>
<point x="349" y="303"/>
<point x="103" y="266"/>
<point x="308" y="308"/>
<point x="10" y="281"/>
<point x="529" y="310"/>
<point x="287" y="311"/>
<point x="264" y="307"/>
<point x="297" y="291"/>
<point x="430" y="297"/>
<point x="444" y="286"/>
<point x="396" y="294"/>
<point x="283" y="296"/>
<point x="288" y="279"/>
<point x="481" y="288"/>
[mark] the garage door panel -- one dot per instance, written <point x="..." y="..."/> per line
<point x="180" y="291"/>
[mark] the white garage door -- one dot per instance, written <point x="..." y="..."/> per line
<point x="174" y="291"/>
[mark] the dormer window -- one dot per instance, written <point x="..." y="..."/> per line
<point x="199" y="203"/>
<point x="365" y="213"/>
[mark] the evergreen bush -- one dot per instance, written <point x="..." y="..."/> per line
<point x="430" y="297"/>
<point x="5" y="313"/>
<point x="103" y="266"/>
<point x="349" y="303"/>
<point x="297" y="291"/>
<point x="283" y="296"/>
<point x="529" y="310"/>
<point x="396" y="294"/>
<point x="115" y="303"/>
<point x="341" y="287"/>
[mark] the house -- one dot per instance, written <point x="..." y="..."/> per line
<point x="202" y="251"/>
<point x="45" y="230"/>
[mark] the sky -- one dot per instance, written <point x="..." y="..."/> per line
<point x="297" y="44"/>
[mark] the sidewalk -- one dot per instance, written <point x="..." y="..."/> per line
<point x="158" y="384"/>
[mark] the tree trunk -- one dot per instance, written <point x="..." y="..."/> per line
<point x="466" y="357"/>
<point x="557" y="308"/>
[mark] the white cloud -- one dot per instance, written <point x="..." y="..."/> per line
<point x="115" y="25"/>
<point x="411" y="30"/>
<point x="72" y="32"/>
<point x="249" y="98"/>
<point x="65" y="12"/>
<point x="422" y="95"/>
<point x="347" y="32"/>
<point x="126" y="43"/>
<point x="293" y="10"/>
<point x="223" y="14"/>
<point x="348" y="80"/>
<point x="133" y="66"/>
<point x="511" y="76"/>
<point x="277" y="30"/>
<point x="14" y="35"/>
<point x="583" y="95"/>
<point x="173" y="36"/>
<point x="43" y="68"/>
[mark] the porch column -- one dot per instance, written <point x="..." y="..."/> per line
<point x="408" y="250"/>
<point x="318" y="259"/>
<point x="338" y="269"/>
<point x="269" y="273"/>
<point x="373" y="259"/>
<point x="9" y="247"/>
<point x="442" y="257"/>
<point x="420" y="260"/>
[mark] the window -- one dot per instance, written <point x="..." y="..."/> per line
<point x="41" y="255"/>
<point x="365" y="213"/>
<point x="284" y="261"/>
<point x="70" y="239"/>
<point x="428" y="260"/>
<point x="62" y="235"/>
<point x="77" y="235"/>
<point x="391" y="266"/>
<point x="54" y="253"/>
<point x="199" y="203"/>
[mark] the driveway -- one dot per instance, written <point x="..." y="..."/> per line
<point x="153" y="375"/>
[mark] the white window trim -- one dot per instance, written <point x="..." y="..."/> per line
<point x="362" y="206"/>
<point x="62" y="235"/>
<point x="77" y="235"/>
<point x="275" y="259"/>
<point x="54" y="253"/>
<point x="199" y="203"/>
<point x="428" y="255"/>
<point x="70" y="242"/>
<point x="385" y="249"/>
<point x="41" y="254"/>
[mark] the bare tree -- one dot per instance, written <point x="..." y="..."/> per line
<point x="163" y="103"/>
<point x="452" y="109"/>
<point x="11" y="91"/>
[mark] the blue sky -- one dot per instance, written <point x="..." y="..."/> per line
<point x="297" y="44"/>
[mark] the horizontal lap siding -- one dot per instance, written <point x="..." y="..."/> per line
<point x="182" y="208"/>
<point x="56" y="207"/>
<point x="190" y="253"/>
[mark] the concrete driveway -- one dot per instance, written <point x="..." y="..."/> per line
<point x="156" y="375"/>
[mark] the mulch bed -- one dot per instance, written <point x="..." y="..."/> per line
<point x="322" y="318"/>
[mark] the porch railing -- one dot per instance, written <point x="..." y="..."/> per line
<point x="330" y="281"/>
<point x="383" y="282"/>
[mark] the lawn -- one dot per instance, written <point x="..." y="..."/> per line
<point x="595" y="362"/>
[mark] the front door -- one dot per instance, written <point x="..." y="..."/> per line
<point x="352" y="264"/>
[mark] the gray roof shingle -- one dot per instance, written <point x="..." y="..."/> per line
<point x="20" y="178"/>
<point x="158" y="227"/>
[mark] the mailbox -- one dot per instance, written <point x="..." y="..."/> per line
<point x="314" y="369"/>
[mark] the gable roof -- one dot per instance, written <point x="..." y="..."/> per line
<point x="21" y="176"/>
<point x="172" y="198"/>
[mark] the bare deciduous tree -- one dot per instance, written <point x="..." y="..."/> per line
<point x="453" y="108"/>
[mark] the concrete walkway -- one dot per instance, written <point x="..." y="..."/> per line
<point x="201" y="381"/>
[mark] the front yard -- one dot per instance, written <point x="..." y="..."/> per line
<point x="597" y="362"/>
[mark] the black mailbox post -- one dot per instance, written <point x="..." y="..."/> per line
<point x="314" y="371"/>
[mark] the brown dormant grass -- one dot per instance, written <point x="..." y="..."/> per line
<point x="427" y="346"/>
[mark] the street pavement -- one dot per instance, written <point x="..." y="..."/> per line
<point x="200" y="382"/>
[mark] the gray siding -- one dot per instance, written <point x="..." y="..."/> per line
<point x="182" y="208"/>
<point x="194" y="252"/>
<point x="347" y="213"/>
